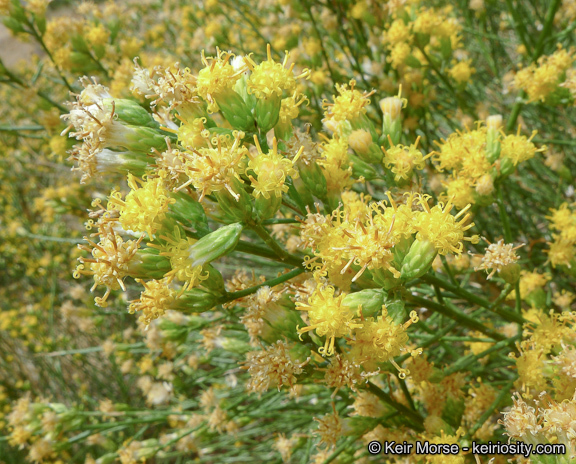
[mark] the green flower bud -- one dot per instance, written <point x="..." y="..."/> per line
<point x="446" y="48"/>
<point x="13" y="24"/>
<point x="452" y="413"/>
<point x="507" y="167"/>
<point x="189" y="213"/>
<point x="510" y="273"/>
<point x="267" y="207"/>
<point x="235" y="209"/>
<point x="236" y="112"/>
<point x="391" y="124"/>
<point x="215" y="281"/>
<point x="313" y="179"/>
<point x="280" y="322"/>
<point x="358" y="425"/>
<point x="148" y="264"/>
<point x="220" y="242"/>
<point x="418" y="260"/>
<point x="493" y="147"/>
<point x="267" y="112"/>
<point x="401" y="249"/>
<point x="536" y="298"/>
<point x="396" y="309"/>
<point x="362" y="169"/>
<point x="196" y="300"/>
<point x="107" y="458"/>
<point x="235" y="345"/>
<point x="130" y="112"/>
<point x="371" y="301"/>
<point x="565" y="173"/>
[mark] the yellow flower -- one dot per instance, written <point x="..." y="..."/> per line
<point x="519" y="148"/>
<point x="214" y="168"/>
<point x="145" y="207"/>
<point x="349" y="105"/>
<point x="439" y="227"/>
<point x="380" y="339"/>
<point x="156" y="298"/>
<point x="110" y="262"/>
<point x="217" y="77"/>
<point x="271" y="171"/>
<point x="462" y="71"/>
<point x="328" y="316"/>
<point x="270" y="78"/>
<point x="289" y="108"/>
<point x="402" y="160"/>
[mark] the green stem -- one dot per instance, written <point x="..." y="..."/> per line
<point x="545" y="34"/>
<point x="270" y="283"/>
<point x="515" y="111"/>
<point x="282" y="254"/>
<point x="472" y="298"/>
<point x="450" y="311"/>
<point x="319" y="35"/>
<point x="466" y="361"/>
<point x="504" y="216"/>
<point x="386" y="398"/>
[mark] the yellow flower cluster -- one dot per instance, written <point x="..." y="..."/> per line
<point x="478" y="158"/>
<point x="563" y="244"/>
<point x="540" y="80"/>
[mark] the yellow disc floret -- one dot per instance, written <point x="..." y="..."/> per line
<point x="217" y="77"/>
<point x="349" y="105"/>
<point x="214" y="168"/>
<point x="156" y="298"/>
<point x="440" y="228"/>
<point x="271" y="171"/>
<point x="328" y="316"/>
<point x="110" y="262"/>
<point x="145" y="207"/>
<point x="270" y="78"/>
<point x="402" y="160"/>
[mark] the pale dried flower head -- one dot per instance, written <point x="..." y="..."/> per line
<point x="497" y="256"/>
<point x="271" y="367"/>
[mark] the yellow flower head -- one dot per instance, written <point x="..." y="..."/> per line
<point x="397" y="32"/>
<point x="402" y="160"/>
<point x="380" y="339"/>
<point x="217" y="77"/>
<point x="270" y="78"/>
<point x="272" y="367"/>
<point x="399" y="54"/>
<point x="464" y="152"/>
<point x="289" y="107"/>
<point x="460" y="191"/>
<point x="191" y="133"/>
<point x="349" y="105"/>
<point x="145" y="207"/>
<point x="328" y="316"/>
<point x="542" y="79"/>
<point x="462" y="71"/>
<point x="532" y="281"/>
<point x="271" y="171"/>
<point x="177" y="249"/>
<point x="214" y="168"/>
<point x="335" y="164"/>
<point x="110" y="262"/>
<point x="561" y="252"/>
<point x="519" y="148"/>
<point x="563" y="220"/>
<point x="497" y="256"/>
<point x="154" y="300"/>
<point x="439" y="227"/>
